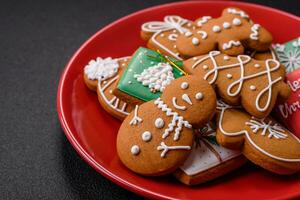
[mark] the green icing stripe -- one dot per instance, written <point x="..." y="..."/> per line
<point x="142" y="59"/>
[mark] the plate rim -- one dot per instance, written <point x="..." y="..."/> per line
<point x="61" y="112"/>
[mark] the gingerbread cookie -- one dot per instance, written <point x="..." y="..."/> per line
<point x="208" y="160"/>
<point x="102" y="75"/>
<point x="157" y="137"/>
<point x="255" y="84"/>
<point x="269" y="54"/>
<point x="162" y="36"/>
<point x="263" y="141"/>
<point x="146" y="76"/>
<point x="231" y="34"/>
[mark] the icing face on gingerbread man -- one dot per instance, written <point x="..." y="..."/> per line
<point x="231" y="34"/>
<point x="157" y="137"/>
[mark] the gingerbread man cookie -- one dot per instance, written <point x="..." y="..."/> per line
<point x="231" y="34"/>
<point x="263" y="141"/>
<point x="255" y="84"/>
<point x="102" y="75"/>
<point x="162" y="36"/>
<point x="208" y="160"/>
<point x="157" y="137"/>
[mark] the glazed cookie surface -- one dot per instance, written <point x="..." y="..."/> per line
<point x="255" y="84"/>
<point x="231" y="34"/>
<point x="263" y="141"/>
<point x="102" y="75"/>
<point x="157" y="136"/>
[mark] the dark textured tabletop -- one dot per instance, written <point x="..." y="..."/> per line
<point x="36" y="40"/>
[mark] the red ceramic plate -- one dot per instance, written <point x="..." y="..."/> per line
<point x="92" y="131"/>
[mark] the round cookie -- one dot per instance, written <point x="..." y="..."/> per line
<point x="157" y="137"/>
<point x="102" y="75"/>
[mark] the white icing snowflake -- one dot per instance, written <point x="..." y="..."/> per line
<point x="101" y="69"/>
<point x="156" y="77"/>
<point x="272" y="129"/>
<point x="290" y="58"/>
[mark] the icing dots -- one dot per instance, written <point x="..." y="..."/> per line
<point x="159" y="123"/>
<point x="188" y="34"/>
<point x="252" y="87"/>
<point x="146" y="136"/>
<point x="236" y="22"/>
<point x="135" y="150"/>
<point x="257" y="65"/>
<point x="199" y="96"/>
<point x="226" y="58"/>
<point x="205" y="67"/>
<point x="229" y="76"/>
<point x="195" y="41"/>
<point x="101" y="69"/>
<point x="216" y="29"/>
<point x="226" y="25"/>
<point x="156" y="77"/>
<point x="184" y="85"/>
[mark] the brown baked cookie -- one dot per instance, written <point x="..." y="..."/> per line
<point x="255" y="84"/>
<point x="231" y="34"/>
<point x="162" y="35"/>
<point x="102" y="75"/>
<point x="269" y="54"/>
<point x="157" y="137"/>
<point x="208" y="160"/>
<point x="263" y="141"/>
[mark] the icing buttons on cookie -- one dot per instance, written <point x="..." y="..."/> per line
<point x="257" y="65"/>
<point x="195" y="41"/>
<point x="205" y="67"/>
<point x="146" y="136"/>
<point x="199" y="96"/>
<point x="226" y="58"/>
<point x="135" y="150"/>
<point x="184" y="85"/>
<point x="159" y="123"/>
<point x="216" y="29"/>
<point x="252" y="87"/>
<point x="229" y="76"/>
<point x="236" y="21"/>
<point x="226" y="25"/>
<point x="188" y="34"/>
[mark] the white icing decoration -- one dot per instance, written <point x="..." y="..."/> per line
<point x="135" y="150"/>
<point x="236" y="21"/>
<point x="186" y="98"/>
<point x="252" y="87"/>
<point x="199" y="96"/>
<point x="159" y="123"/>
<point x="136" y="119"/>
<point x="238" y="12"/>
<point x="226" y="58"/>
<point x="296" y="43"/>
<point x="174" y="99"/>
<point x="164" y="148"/>
<point x="203" y="34"/>
<point x="184" y="85"/>
<point x="177" y="120"/>
<point x="229" y="76"/>
<point x="257" y="65"/>
<point x="114" y="103"/>
<point x="195" y="41"/>
<point x="242" y="60"/>
<point x="275" y="130"/>
<point x="188" y="34"/>
<point x="156" y="77"/>
<point x="146" y="136"/>
<point x="226" y="25"/>
<point x="279" y="47"/>
<point x="173" y="37"/>
<point x="205" y="67"/>
<point x="170" y="22"/>
<point x="175" y="46"/>
<point x="101" y="69"/>
<point x="216" y="29"/>
<point x="254" y="32"/>
<point x="174" y="31"/>
<point x="203" y="20"/>
<point x="230" y="44"/>
<point x="195" y="58"/>
<point x="289" y="58"/>
<point x="223" y="107"/>
<point x="162" y="35"/>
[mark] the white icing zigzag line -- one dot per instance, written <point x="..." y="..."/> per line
<point x="242" y="78"/>
<point x="166" y="148"/>
<point x="136" y="119"/>
<point x="203" y="20"/>
<point x="230" y="44"/>
<point x="170" y="22"/>
<point x="223" y="109"/>
<point x="176" y="118"/>
<point x="273" y="130"/>
<point x="254" y="32"/>
<point x="237" y="12"/>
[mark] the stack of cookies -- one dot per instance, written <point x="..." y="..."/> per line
<point x="197" y="102"/>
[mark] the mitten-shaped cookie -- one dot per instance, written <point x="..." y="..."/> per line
<point x="255" y="84"/>
<point x="102" y="75"/>
<point x="162" y="36"/>
<point x="263" y="141"/>
<point x="231" y="34"/>
<point x="157" y="137"/>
